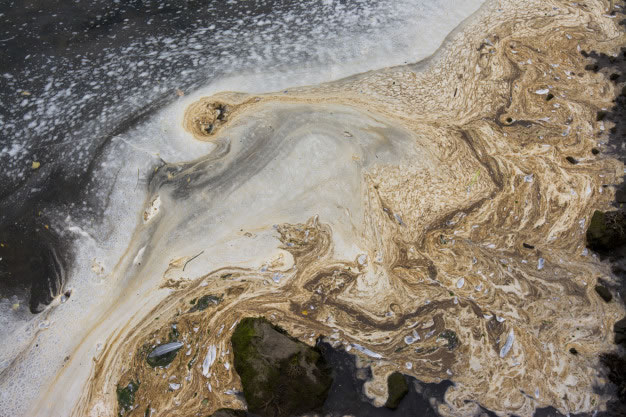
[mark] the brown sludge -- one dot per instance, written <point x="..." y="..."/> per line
<point x="442" y="239"/>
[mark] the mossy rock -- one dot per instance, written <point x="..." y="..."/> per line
<point x="126" y="397"/>
<point x="280" y="375"/>
<point x="607" y="231"/>
<point x="229" y="412"/>
<point x="398" y="388"/>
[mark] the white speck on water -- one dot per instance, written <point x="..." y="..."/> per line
<point x="460" y="283"/>
<point x="410" y="339"/>
<point x="540" y="263"/>
<point x="508" y="344"/>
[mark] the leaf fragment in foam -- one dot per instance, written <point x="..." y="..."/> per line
<point x="164" y="349"/>
<point x="508" y="344"/>
<point x="208" y="360"/>
<point x="366" y="351"/>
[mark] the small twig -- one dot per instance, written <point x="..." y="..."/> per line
<point x="192" y="258"/>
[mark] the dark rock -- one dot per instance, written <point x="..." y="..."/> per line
<point x="620" y="332"/>
<point x="346" y="395"/>
<point x="573" y="351"/>
<point x="595" y="151"/>
<point x="616" y="365"/>
<point x="604" y="293"/>
<point x="163" y="355"/>
<point x="229" y="412"/>
<point x="571" y="160"/>
<point x="280" y="375"/>
<point x="398" y="388"/>
<point x="607" y="231"/>
<point x="527" y="246"/>
<point x="126" y="397"/>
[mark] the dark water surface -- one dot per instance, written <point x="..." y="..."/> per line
<point x="73" y="74"/>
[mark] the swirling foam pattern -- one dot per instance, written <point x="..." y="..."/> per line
<point x="389" y="211"/>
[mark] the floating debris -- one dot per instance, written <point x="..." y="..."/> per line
<point x="366" y="351"/>
<point x="540" y="263"/>
<point x="208" y="360"/>
<point x="410" y="339"/>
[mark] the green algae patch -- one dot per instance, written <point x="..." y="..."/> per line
<point x="280" y="375"/>
<point x="204" y="302"/>
<point x="398" y="388"/>
<point x="126" y="397"/>
<point x="451" y="337"/>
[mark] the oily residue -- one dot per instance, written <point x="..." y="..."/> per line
<point x="401" y="203"/>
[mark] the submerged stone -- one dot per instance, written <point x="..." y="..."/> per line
<point x="604" y="293"/>
<point x="280" y="375"/>
<point x="398" y="388"/>
<point x="620" y="332"/>
<point x="607" y="231"/>
<point x="163" y="355"/>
